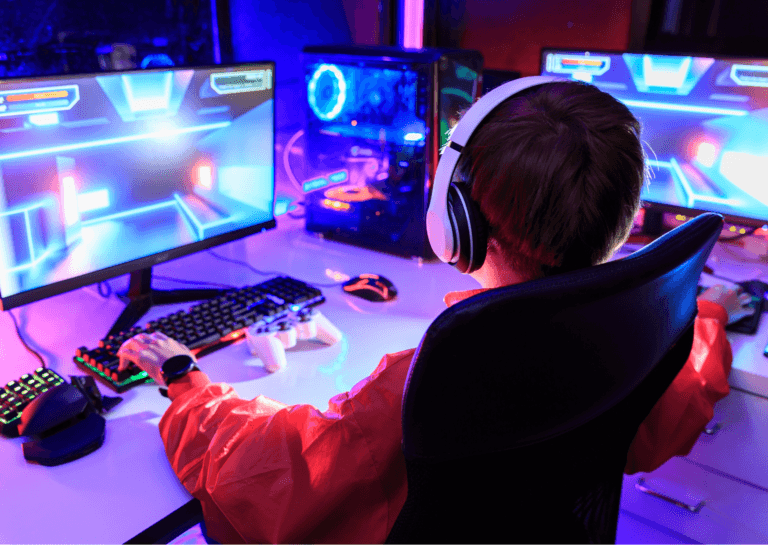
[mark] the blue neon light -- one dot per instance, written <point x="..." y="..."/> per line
<point x="201" y="227"/>
<point x="19" y="210"/>
<point x="30" y="264"/>
<point x="336" y="103"/>
<point x="29" y="236"/>
<point x="691" y="195"/>
<point x="132" y="212"/>
<point x="283" y="205"/>
<point x="339" y="176"/>
<point x="314" y="183"/>
<point x="156" y="59"/>
<point x="34" y="260"/>
<point x="188" y="213"/>
<point x="111" y="141"/>
<point x="682" y="107"/>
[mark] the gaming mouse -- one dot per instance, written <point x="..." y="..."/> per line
<point x="52" y="408"/>
<point x="62" y="426"/>
<point x="372" y="287"/>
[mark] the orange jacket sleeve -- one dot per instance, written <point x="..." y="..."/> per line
<point x="265" y="472"/>
<point x="678" y="418"/>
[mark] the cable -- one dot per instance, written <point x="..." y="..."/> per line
<point x="266" y="273"/>
<point x="244" y="264"/>
<point x="286" y="159"/>
<point x="29" y="348"/>
<point x="194" y="282"/>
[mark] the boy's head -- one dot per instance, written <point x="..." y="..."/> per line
<point x="557" y="172"/>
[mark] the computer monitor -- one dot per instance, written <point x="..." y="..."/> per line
<point x="112" y="173"/>
<point x="705" y="125"/>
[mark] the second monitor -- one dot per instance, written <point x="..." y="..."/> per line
<point x="704" y="125"/>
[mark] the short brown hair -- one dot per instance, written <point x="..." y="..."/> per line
<point x="557" y="171"/>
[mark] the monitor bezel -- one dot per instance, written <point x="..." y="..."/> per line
<point x="661" y="206"/>
<point x="62" y="286"/>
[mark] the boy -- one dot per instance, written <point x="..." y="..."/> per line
<point x="557" y="172"/>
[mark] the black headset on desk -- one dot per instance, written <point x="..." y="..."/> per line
<point x="457" y="230"/>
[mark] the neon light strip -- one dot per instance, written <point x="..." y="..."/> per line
<point x="28" y="265"/>
<point x="201" y="227"/>
<point x="682" y="108"/>
<point x="192" y="217"/>
<point x="111" y="141"/>
<point x="19" y="210"/>
<point x="683" y="180"/>
<point x="215" y="33"/>
<point x="188" y="223"/>
<point x="29" y="236"/>
<point x="674" y="166"/>
<point x="133" y="212"/>
<point x="216" y="223"/>
<point x="413" y="24"/>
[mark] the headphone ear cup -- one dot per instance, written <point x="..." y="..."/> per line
<point x="470" y="229"/>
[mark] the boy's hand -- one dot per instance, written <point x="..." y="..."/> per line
<point x="733" y="300"/>
<point x="149" y="352"/>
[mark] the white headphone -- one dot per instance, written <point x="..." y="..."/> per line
<point x="456" y="229"/>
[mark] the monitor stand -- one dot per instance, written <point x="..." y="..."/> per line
<point x="141" y="297"/>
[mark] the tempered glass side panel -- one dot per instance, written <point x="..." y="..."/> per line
<point x="366" y="145"/>
<point x="459" y="87"/>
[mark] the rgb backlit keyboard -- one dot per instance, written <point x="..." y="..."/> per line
<point x="204" y="328"/>
<point x="17" y="394"/>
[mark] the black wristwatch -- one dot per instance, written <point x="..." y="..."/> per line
<point x="176" y="367"/>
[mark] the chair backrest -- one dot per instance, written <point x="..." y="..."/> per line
<point x="521" y="402"/>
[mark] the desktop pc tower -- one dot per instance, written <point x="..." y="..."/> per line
<point x="376" y="119"/>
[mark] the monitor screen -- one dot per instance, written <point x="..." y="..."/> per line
<point x="705" y="124"/>
<point x="104" y="174"/>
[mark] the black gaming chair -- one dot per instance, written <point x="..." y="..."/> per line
<point x="521" y="402"/>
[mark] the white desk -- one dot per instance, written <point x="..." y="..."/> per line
<point x="127" y="485"/>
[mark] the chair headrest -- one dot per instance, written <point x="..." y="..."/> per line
<point x="523" y="362"/>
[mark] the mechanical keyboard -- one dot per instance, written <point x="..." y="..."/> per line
<point x="205" y="327"/>
<point x="17" y="394"/>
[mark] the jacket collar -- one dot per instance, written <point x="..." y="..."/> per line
<point x="454" y="297"/>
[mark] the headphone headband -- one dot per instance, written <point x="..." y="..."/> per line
<point x="441" y="233"/>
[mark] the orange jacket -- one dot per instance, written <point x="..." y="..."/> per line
<point x="266" y="472"/>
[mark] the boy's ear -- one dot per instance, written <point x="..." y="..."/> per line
<point x="494" y="246"/>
